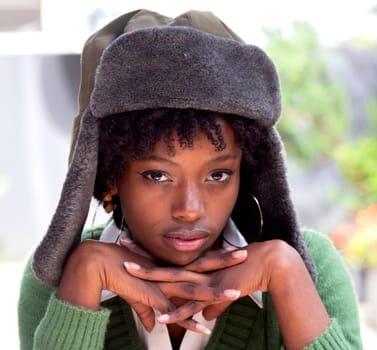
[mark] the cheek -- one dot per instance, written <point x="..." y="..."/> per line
<point x="231" y="194"/>
<point x="142" y="211"/>
<point x="220" y="205"/>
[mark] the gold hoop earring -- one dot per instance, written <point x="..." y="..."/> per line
<point x="260" y="215"/>
<point x="120" y="230"/>
<point x="93" y="221"/>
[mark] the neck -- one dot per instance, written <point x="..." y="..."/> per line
<point x="176" y="334"/>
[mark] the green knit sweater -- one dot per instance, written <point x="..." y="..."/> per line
<point x="47" y="323"/>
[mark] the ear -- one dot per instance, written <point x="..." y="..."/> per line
<point x="114" y="190"/>
<point x="108" y="196"/>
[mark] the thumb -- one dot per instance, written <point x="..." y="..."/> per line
<point x="215" y="310"/>
<point x="134" y="247"/>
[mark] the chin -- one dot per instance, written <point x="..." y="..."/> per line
<point x="179" y="261"/>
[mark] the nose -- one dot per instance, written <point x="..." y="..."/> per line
<point x="188" y="204"/>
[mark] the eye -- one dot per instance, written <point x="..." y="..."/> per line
<point x="220" y="176"/>
<point x="155" y="176"/>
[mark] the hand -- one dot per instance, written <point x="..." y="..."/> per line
<point x="193" y="277"/>
<point x="245" y="271"/>
<point x="95" y="266"/>
<point x="272" y="266"/>
<point x="211" y="261"/>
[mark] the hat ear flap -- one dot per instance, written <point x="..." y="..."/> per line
<point x="64" y="232"/>
<point x="266" y="180"/>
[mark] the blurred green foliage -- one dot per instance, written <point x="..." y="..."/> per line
<point x="358" y="162"/>
<point x="314" y="126"/>
<point x="314" y="116"/>
<point x="371" y="109"/>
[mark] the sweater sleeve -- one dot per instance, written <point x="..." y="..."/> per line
<point x="336" y="291"/>
<point x="48" y="323"/>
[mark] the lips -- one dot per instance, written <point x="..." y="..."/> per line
<point x="186" y="240"/>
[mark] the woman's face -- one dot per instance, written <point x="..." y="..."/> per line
<point x="176" y="206"/>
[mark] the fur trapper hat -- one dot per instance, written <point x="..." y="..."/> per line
<point x="144" y="60"/>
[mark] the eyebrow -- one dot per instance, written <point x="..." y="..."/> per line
<point x="218" y="159"/>
<point x="223" y="158"/>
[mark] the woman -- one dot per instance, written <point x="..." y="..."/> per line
<point x="177" y="140"/>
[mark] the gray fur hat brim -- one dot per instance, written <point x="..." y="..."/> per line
<point x="176" y="67"/>
<point x="65" y="229"/>
<point x="182" y="67"/>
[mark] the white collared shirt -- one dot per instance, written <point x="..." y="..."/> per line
<point x="158" y="338"/>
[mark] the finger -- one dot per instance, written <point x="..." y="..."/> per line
<point x="147" y="294"/>
<point x="160" y="274"/>
<point x="215" y="310"/>
<point x="190" y="308"/>
<point x="191" y="291"/>
<point x="187" y="310"/>
<point x="220" y="260"/>
<point x="134" y="247"/>
<point x="145" y="314"/>
<point x="194" y="326"/>
<point x="183" y="313"/>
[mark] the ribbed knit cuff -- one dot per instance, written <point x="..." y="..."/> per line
<point x="69" y="327"/>
<point x="332" y="338"/>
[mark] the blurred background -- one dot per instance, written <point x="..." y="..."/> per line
<point x="326" y="54"/>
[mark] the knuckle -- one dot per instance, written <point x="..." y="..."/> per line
<point x="217" y="293"/>
<point x="189" y="288"/>
<point x="175" y="271"/>
<point x="192" y="304"/>
<point x="228" y="256"/>
<point x="189" y="323"/>
<point x="176" y="313"/>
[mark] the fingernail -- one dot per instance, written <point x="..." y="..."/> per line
<point x="125" y="240"/>
<point x="230" y="248"/>
<point x="239" y="254"/>
<point x="163" y="318"/>
<point x="131" y="266"/>
<point x="202" y="329"/>
<point x="232" y="293"/>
